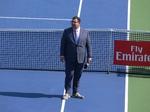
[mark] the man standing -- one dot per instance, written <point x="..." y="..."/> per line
<point x="75" y="43"/>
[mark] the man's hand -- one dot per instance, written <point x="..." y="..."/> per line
<point x="62" y="58"/>
<point x="89" y="60"/>
<point x="87" y="63"/>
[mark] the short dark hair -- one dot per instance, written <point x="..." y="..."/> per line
<point x="76" y="17"/>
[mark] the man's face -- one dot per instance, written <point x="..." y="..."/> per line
<point x="75" y="24"/>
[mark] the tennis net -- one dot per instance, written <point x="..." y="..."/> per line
<point x="40" y="50"/>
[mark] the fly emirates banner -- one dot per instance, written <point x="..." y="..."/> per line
<point x="134" y="53"/>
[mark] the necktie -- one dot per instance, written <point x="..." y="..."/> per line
<point x="76" y="36"/>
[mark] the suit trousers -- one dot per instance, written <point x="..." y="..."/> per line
<point x="73" y="71"/>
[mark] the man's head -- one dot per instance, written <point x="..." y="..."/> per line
<point x="75" y="22"/>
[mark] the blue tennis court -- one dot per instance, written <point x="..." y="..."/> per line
<point x="41" y="91"/>
<point x="52" y="14"/>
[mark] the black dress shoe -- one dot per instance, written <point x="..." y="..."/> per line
<point x="77" y="95"/>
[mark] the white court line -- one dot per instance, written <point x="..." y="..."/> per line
<point x="80" y="6"/>
<point x="127" y="77"/>
<point x="3" y="17"/>
<point x="64" y="101"/>
<point x="63" y="104"/>
<point x="128" y="18"/>
<point x="126" y="93"/>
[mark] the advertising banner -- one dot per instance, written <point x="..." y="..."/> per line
<point x="134" y="53"/>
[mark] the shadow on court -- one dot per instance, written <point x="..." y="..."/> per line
<point x="29" y="95"/>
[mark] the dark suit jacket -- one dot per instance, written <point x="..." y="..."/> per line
<point x="73" y="51"/>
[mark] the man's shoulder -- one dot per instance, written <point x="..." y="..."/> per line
<point x="84" y="30"/>
<point x="68" y="29"/>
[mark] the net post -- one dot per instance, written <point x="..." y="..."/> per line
<point x="109" y="51"/>
<point x="108" y="72"/>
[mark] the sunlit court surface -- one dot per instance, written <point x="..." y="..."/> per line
<point x="41" y="91"/>
<point x="32" y="76"/>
